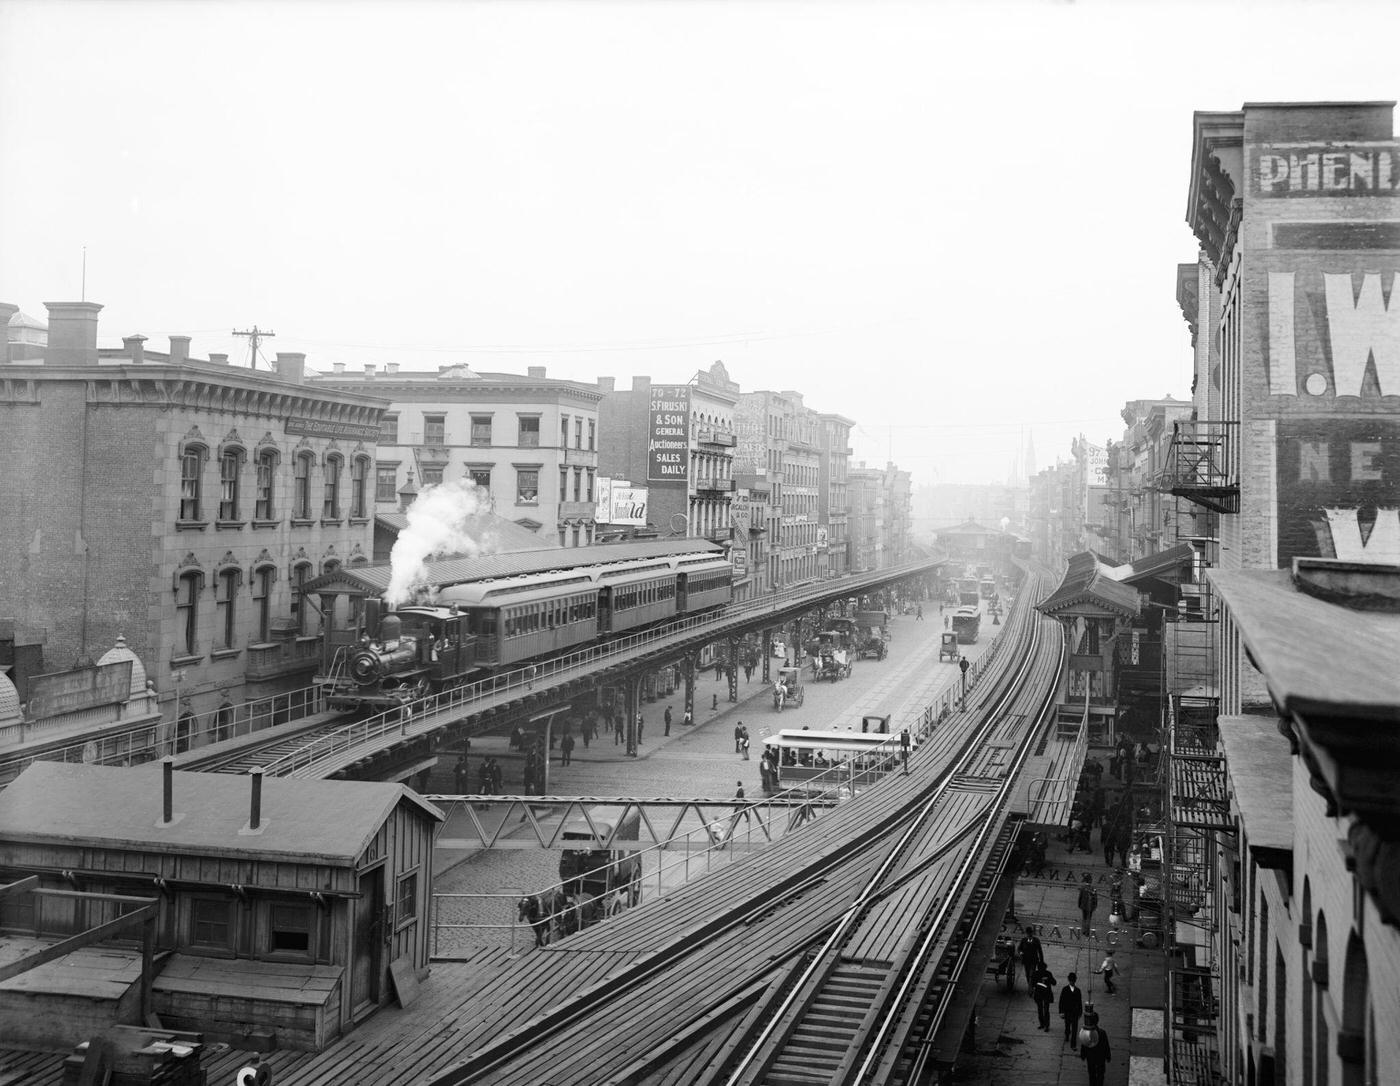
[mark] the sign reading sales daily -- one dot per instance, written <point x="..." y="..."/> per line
<point x="668" y="434"/>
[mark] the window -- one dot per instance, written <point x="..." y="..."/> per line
<point x="529" y="431"/>
<point x="480" y="477"/>
<point x="330" y="509"/>
<point x="301" y="573"/>
<point x="386" y="483"/>
<point x="191" y="468"/>
<point x="330" y="565"/>
<point x="481" y="429"/>
<point x="226" y="604"/>
<point x="589" y="492"/>
<point x="290" y="928"/>
<point x="187" y="612"/>
<point x="389" y="430"/>
<point x="301" y="493"/>
<point x="267" y="474"/>
<point x="564" y="432"/>
<point x="262" y="599"/>
<point x="434" y="429"/>
<point x="578" y="484"/>
<point x="211" y="922"/>
<point x="563" y="484"/>
<point x="230" y="463"/>
<point x="359" y="475"/>
<point x="527" y="485"/>
<point x="592" y="430"/>
<point x="406" y="900"/>
<point x="432" y="476"/>
<point x="578" y="433"/>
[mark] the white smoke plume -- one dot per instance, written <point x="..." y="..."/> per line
<point x="442" y="520"/>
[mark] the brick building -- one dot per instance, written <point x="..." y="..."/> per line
<point x="689" y="488"/>
<point x="1291" y="458"/>
<point x="833" y="515"/>
<point x="778" y="442"/>
<point x="177" y="502"/>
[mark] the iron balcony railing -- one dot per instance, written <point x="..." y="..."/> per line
<point x="1203" y="464"/>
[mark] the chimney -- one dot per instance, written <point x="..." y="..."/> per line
<point x="7" y="311"/>
<point x="219" y="359"/>
<point x="168" y="775"/>
<point x="606" y="384"/>
<point x="72" y="333"/>
<point x="179" y="350"/>
<point x="291" y="366"/>
<point x="135" y="347"/>
<point x="369" y="370"/>
<point x="255" y="809"/>
<point x="408" y="493"/>
<point x="534" y="371"/>
<point x="339" y="367"/>
<point x="391" y="367"/>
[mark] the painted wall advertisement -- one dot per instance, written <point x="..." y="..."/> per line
<point x="1338" y="489"/>
<point x="617" y="501"/>
<point x="74" y="691"/>
<point x="668" y="434"/>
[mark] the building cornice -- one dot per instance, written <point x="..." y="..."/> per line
<point x="399" y="389"/>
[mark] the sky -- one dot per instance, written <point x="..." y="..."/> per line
<point x="957" y="224"/>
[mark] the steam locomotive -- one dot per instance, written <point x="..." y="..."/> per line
<point x="383" y="659"/>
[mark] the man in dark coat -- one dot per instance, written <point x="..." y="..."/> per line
<point x="1095" y="1055"/>
<point x="1043" y="992"/>
<point x="1032" y="956"/>
<point x="1088" y="902"/>
<point x="1071" y="1007"/>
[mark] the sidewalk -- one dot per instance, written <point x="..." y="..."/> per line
<point x="1010" y="1048"/>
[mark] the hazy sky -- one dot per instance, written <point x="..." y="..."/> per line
<point x="949" y="222"/>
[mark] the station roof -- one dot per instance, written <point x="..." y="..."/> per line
<point x="1154" y="565"/>
<point x="1089" y="588"/>
<point x="373" y="579"/>
<point x="115" y="807"/>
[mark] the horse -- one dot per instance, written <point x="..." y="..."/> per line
<point x="541" y="911"/>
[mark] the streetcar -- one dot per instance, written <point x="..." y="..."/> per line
<point x="801" y="755"/>
<point x="967" y="624"/>
<point x="969" y="592"/>
<point x="987" y="586"/>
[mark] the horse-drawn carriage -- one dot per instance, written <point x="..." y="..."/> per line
<point x="873" y="648"/>
<point x="787" y="689"/>
<point x="948" y="647"/>
<point x="834" y="665"/>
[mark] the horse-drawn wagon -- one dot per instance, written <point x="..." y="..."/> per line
<point x="787" y="688"/>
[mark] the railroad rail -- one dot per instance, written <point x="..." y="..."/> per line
<point x="762" y="954"/>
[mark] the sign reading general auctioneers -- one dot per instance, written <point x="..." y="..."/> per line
<point x="668" y="434"/>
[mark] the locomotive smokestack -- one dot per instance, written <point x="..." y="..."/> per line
<point x="372" y="606"/>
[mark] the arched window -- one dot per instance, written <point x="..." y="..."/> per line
<point x="301" y="492"/>
<point x="230" y="467"/>
<point x="1321" y="1036"/>
<point x="263" y="578"/>
<point x="226" y="606"/>
<point x="1356" y="1043"/>
<point x="330" y="508"/>
<point x="301" y="573"/>
<point x="192" y="482"/>
<point x="330" y="565"/>
<point x="187" y="589"/>
<point x="265" y="498"/>
<point x="359" y="482"/>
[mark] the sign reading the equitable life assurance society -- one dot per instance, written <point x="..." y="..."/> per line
<point x="668" y="434"/>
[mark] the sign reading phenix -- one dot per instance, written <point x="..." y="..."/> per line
<point x="668" y="434"/>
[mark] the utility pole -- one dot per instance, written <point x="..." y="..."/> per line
<point x="254" y="338"/>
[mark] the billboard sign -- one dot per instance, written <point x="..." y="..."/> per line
<point x="602" y="500"/>
<point x="84" y="688"/>
<point x="668" y="434"/>
<point x="629" y="506"/>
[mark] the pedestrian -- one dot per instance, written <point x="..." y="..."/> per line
<point x="496" y="777"/>
<point x="741" y="807"/>
<point x="1043" y="992"/>
<point x="1088" y="902"/>
<point x="666" y="718"/>
<point x="566" y="749"/>
<point x="738" y="736"/>
<point x="919" y="613"/>
<point x="1071" y="1007"/>
<point x="1032" y="956"/>
<point x="640" y="725"/>
<point x="618" y="728"/>
<point x="461" y="775"/>
<point x="687" y="719"/>
<point x="744" y="746"/>
<point x="586" y="731"/>
<point x="946" y="621"/>
<point x="1038" y="844"/>
<point x="1095" y="1053"/>
<point x="531" y="673"/>
<point x="405" y="718"/>
<point x="1108" y="970"/>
